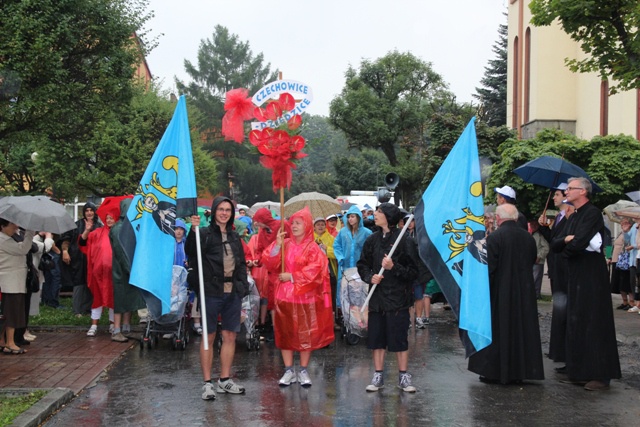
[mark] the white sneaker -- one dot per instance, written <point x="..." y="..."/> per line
<point x="229" y="386"/>
<point x="288" y="378"/>
<point x="405" y="383"/>
<point x="92" y="332"/>
<point x="304" y="379"/>
<point x="634" y="309"/>
<point x="376" y="383"/>
<point x="208" y="392"/>
<point x="167" y="336"/>
<point x="419" y="323"/>
<point x="112" y="327"/>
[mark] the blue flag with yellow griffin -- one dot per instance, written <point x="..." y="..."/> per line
<point x="167" y="191"/>
<point x="451" y="239"/>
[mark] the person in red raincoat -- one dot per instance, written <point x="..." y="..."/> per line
<point x="95" y="244"/>
<point x="303" y="318"/>
<point x="266" y="281"/>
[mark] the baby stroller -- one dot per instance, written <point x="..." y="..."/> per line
<point x="353" y="293"/>
<point x="175" y="322"/>
<point x="249" y="315"/>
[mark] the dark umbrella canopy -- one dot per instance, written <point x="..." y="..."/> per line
<point x="550" y="172"/>
<point x="37" y="213"/>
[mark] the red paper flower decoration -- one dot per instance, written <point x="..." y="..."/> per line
<point x="279" y="147"/>
<point x="238" y="107"/>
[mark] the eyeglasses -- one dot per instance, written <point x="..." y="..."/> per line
<point x="573" y="188"/>
<point x="223" y="210"/>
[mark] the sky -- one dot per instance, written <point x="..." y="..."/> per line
<point x="315" y="41"/>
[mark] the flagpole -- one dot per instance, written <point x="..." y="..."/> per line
<point x="203" y="306"/>
<point x="282" y="227"/>
<point x="393" y="248"/>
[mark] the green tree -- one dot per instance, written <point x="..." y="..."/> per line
<point x="386" y="103"/>
<point x="65" y="65"/>
<point x="224" y="63"/>
<point x="598" y="157"/>
<point x="360" y="170"/>
<point x="493" y="93"/>
<point x="608" y="32"/>
<point x="117" y="152"/>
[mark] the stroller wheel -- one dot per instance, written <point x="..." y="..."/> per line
<point x="141" y="344"/>
<point x="155" y="340"/>
<point x="149" y="343"/>
<point x="352" y="339"/>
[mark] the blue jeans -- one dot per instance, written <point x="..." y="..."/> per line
<point x="52" y="283"/>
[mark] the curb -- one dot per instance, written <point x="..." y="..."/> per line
<point x="44" y="408"/>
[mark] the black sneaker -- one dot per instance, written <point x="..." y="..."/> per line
<point x="623" y="307"/>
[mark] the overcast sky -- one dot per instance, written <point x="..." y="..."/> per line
<point x="315" y="41"/>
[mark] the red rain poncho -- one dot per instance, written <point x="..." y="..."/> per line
<point x="303" y="317"/>
<point x="99" y="255"/>
<point x="268" y="279"/>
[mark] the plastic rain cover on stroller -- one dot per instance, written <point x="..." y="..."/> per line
<point x="179" y="298"/>
<point x="353" y="293"/>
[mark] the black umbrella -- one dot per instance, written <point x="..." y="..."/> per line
<point x="550" y="172"/>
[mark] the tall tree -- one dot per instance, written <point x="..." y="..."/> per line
<point x="65" y="65"/>
<point x="224" y="63"/>
<point x="386" y="103"/>
<point x="493" y="93"/>
<point x="608" y="32"/>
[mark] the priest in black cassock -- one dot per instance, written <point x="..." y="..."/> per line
<point x="591" y="347"/>
<point x="515" y="353"/>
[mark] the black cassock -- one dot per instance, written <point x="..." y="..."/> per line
<point x="515" y="352"/>
<point x="591" y="347"/>
<point x="558" y="274"/>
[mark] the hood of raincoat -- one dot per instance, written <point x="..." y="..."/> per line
<point x="111" y="206"/>
<point x="86" y="206"/>
<point x="353" y="210"/>
<point x="305" y="215"/>
<point x="124" y="207"/>
<point x="214" y="206"/>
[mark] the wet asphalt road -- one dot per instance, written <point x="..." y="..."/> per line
<point x="162" y="387"/>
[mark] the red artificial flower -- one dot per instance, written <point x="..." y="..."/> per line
<point x="273" y="111"/>
<point x="294" y="122"/>
<point x="286" y="101"/>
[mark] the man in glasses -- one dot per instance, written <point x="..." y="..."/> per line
<point x="591" y="347"/>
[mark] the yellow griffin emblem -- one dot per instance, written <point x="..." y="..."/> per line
<point x="458" y="241"/>
<point x="461" y="236"/>
<point x="149" y="201"/>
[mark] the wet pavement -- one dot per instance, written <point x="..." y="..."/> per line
<point x="162" y="387"/>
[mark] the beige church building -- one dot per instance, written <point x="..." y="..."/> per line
<point x="542" y="92"/>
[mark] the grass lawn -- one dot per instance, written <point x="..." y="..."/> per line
<point x="64" y="316"/>
<point x="11" y="406"/>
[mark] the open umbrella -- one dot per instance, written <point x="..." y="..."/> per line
<point x="37" y="213"/>
<point x="550" y="172"/>
<point x="634" y="195"/>
<point x="618" y="206"/>
<point x="633" y="212"/>
<point x="319" y="204"/>
<point x="272" y="206"/>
